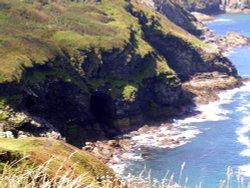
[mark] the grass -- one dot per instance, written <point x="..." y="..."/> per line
<point x="34" y="33"/>
<point x="19" y="173"/>
<point x="168" y="28"/>
<point x="40" y="150"/>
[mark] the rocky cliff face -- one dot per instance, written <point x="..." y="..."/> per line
<point x="176" y="13"/>
<point x="96" y="80"/>
<point x="216" y="6"/>
<point x="235" y="5"/>
<point x="203" y="6"/>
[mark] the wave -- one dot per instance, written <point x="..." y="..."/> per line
<point x="182" y="131"/>
<point x="213" y="111"/>
<point x="242" y="132"/>
<point x="242" y="136"/>
<point x="165" y="136"/>
<point x="222" y="20"/>
<point x="228" y="53"/>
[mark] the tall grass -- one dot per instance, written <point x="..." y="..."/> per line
<point x="20" y="174"/>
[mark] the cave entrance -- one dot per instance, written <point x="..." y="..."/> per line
<point x="101" y="106"/>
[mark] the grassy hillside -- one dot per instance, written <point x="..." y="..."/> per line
<point x="65" y="158"/>
<point x="36" y="33"/>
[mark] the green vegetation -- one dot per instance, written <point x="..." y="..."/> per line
<point x="168" y="28"/>
<point x="22" y="174"/>
<point x="35" y="32"/>
<point x="67" y="159"/>
<point x="11" y="99"/>
<point x="129" y="92"/>
<point x="5" y="115"/>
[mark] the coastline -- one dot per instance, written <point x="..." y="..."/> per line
<point x="237" y="11"/>
<point x="208" y="88"/>
<point x="165" y="134"/>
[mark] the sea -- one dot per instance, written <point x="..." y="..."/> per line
<point x="217" y="139"/>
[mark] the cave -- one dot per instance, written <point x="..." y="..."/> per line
<point x="30" y="102"/>
<point x="102" y="108"/>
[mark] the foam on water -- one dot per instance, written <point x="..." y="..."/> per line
<point x="214" y="110"/>
<point x="228" y="53"/>
<point x="222" y="20"/>
<point x="243" y="131"/>
<point x="183" y="130"/>
<point x="243" y="138"/>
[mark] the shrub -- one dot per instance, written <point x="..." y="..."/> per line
<point x="129" y="92"/>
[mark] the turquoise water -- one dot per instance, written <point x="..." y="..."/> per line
<point x="231" y="22"/>
<point x="224" y="138"/>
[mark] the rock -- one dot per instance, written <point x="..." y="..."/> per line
<point x="202" y="17"/>
<point x="124" y="143"/>
<point x="135" y="133"/>
<point x="1" y="126"/>
<point x="174" y="12"/>
<point x="234" y="40"/>
<point x="235" y="6"/>
<point x="161" y="135"/>
<point x="53" y="134"/>
<point x="89" y="144"/>
<point x="217" y="6"/>
<point x="9" y="134"/>
<point x="167" y="141"/>
<point x="144" y="129"/>
<point x="207" y="85"/>
<point x="36" y="124"/>
<point x="113" y="143"/>
<point x="176" y="142"/>
<point x="22" y="134"/>
<point x="88" y="148"/>
<point x="124" y="123"/>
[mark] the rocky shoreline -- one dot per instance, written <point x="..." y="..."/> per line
<point x="164" y="134"/>
<point x="205" y="87"/>
<point x="222" y="43"/>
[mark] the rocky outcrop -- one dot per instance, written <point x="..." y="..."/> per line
<point x="224" y="43"/>
<point x="231" y="40"/>
<point x="216" y="6"/>
<point x="176" y="13"/>
<point x="213" y="82"/>
<point x="235" y="5"/>
<point x="111" y="85"/>
<point x="203" y="6"/>
<point x="202" y="17"/>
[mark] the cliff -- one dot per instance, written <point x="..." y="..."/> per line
<point x="235" y="5"/>
<point x="175" y="12"/>
<point x="216" y="6"/>
<point x="203" y="6"/>
<point x="93" y="70"/>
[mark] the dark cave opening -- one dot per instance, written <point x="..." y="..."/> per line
<point x="30" y="102"/>
<point x="102" y="108"/>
